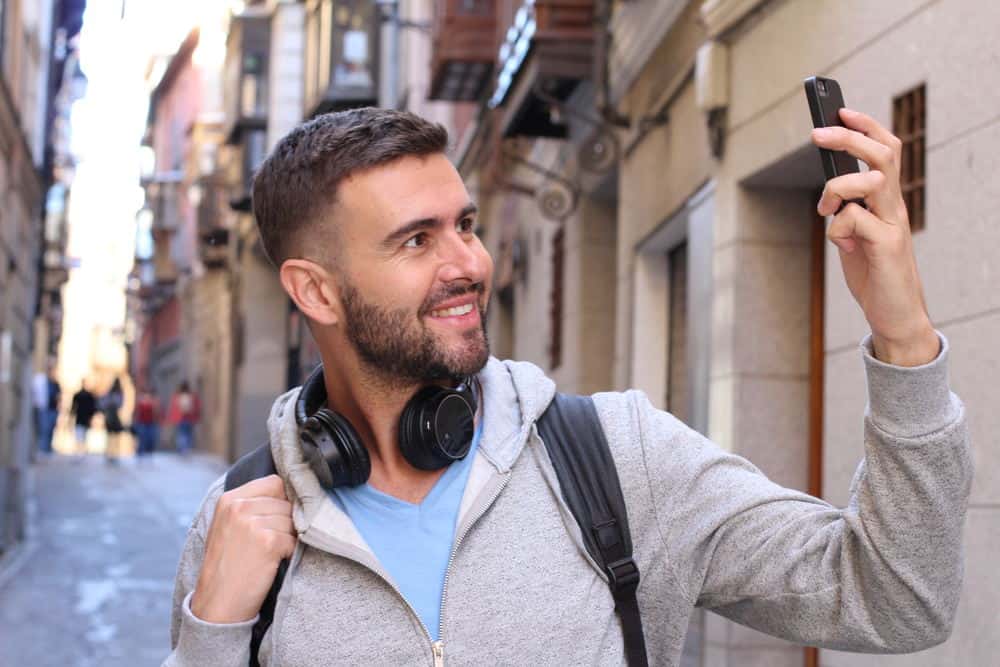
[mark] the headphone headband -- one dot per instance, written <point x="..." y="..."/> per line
<point x="312" y="397"/>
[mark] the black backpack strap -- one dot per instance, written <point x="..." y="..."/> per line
<point x="258" y="463"/>
<point x="575" y="441"/>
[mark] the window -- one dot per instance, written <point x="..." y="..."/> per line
<point x="678" y="386"/>
<point x="909" y="123"/>
<point x="556" y="299"/>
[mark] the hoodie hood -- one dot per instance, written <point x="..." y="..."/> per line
<point x="514" y="395"/>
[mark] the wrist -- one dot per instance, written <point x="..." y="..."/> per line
<point x="204" y="610"/>
<point x="915" y="350"/>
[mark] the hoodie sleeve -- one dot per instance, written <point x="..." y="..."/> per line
<point x="195" y="642"/>
<point x="880" y="575"/>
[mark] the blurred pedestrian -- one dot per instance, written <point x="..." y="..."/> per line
<point x="83" y="409"/>
<point x="184" y="413"/>
<point x="46" y="395"/>
<point x="111" y="404"/>
<point x="145" y="421"/>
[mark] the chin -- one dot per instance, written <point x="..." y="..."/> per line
<point x="471" y="360"/>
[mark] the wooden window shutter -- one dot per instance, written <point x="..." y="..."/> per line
<point x="909" y="123"/>
<point x="556" y="299"/>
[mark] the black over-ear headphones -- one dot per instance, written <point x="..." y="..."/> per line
<point x="435" y="429"/>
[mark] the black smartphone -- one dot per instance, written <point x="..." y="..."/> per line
<point x="825" y="101"/>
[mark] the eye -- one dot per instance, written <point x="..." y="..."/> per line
<point x="467" y="225"/>
<point x="416" y="241"/>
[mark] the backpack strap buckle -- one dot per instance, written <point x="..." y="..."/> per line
<point x="623" y="575"/>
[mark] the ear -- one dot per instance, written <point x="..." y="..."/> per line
<point x="312" y="289"/>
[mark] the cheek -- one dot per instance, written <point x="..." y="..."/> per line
<point x="395" y="288"/>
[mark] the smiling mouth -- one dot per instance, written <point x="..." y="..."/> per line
<point x="457" y="311"/>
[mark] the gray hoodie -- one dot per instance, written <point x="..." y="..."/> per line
<point x="710" y="530"/>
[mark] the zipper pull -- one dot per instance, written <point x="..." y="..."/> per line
<point x="438" y="648"/>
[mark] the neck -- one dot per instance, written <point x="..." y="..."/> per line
<point x="373" y="406"/>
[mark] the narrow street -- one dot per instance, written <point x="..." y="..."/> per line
<point x="93" y="584"/>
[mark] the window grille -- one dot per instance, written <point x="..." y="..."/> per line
<point x="909" y="123"/>
<point x="556" y="299"/>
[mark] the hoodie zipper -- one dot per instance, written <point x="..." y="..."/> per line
<point x="436" y="649"/>
<point x="439" y="645"/>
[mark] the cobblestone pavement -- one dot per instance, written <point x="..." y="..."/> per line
<point x="93" y="583"/>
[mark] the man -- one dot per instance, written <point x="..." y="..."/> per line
<point x="145" y="421"/>
<point x="83" y="409"/>
<point x="479" y="562"/>
<point x="184" y="412"/>
<point x="46" y="396"/>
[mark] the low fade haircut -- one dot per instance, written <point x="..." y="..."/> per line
<point x="295" y="189"/>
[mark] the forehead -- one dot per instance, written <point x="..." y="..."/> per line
<point x="405" y="189"/>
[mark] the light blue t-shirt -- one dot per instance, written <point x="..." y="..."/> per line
<point x="413" y="542"/>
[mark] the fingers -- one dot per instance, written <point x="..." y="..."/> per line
<point x="849" y="187"/>
<point x="282" y="545"/>
<point x="875" y="154"/>
<point x="867" y="140"/>
<point x="854" y="224"/>
<point x="278" y="524"/>
<point x="864" y="138"/>
<point x="264" y="506"/>
<point x="867" y="125"/>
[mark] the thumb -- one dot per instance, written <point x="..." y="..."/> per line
<point x="851" y="225"/>
<point x="846" y="246"/>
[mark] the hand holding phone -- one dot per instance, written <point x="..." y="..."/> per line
<point x="825" y="102"/>
<point x="876" y="250"/>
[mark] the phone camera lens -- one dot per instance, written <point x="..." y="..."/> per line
<point x="821" y="86"/>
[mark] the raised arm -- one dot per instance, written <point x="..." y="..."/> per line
<point x="881" y="575"/>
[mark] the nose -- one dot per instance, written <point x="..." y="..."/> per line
<point x="463" y="258"/>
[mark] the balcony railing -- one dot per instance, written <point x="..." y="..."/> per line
<point x="245" y="93"/>
<point x="464" y="49"/>
<point x="162" y="192"/>
<point x="212" y="213"/>
<point x="564" y="20"/>
<point x="557" y="38"/>
<point x="214" y="249"/>
<point x="213" y="222"/>
<point x="341" y="60"/>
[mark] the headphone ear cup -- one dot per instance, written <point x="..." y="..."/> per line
<point x="436" y="428"/>
<point x="334" y="451"/>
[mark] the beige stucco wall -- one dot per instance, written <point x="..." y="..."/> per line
<point x="211" y="339"/>
<point x="263" y="306"/>
<point x="657" y="178"/>
<point x="588" y="334"/>
<point x="524" y="332"/>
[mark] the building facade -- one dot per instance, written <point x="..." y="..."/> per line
<point x="161" y="304"/>
<point x="38" y="79"/>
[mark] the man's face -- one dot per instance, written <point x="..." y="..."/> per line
<point x="414" y="279"/>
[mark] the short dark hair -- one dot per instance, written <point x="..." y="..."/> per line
<point x="298" y="181"/>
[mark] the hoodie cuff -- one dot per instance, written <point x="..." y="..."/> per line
<point x="218" y="644"/>
<point x="909" y="401"/>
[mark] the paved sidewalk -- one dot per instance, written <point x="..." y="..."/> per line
<point x="93" y="584"/>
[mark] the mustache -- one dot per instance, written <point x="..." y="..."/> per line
<point x="451" y="292"/>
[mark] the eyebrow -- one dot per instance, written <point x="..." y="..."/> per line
<point x="422" y="224"/>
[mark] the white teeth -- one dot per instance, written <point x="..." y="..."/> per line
<point x="452" y="312"/>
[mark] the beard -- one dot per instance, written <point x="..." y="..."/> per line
<point x="397" y="346"/>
